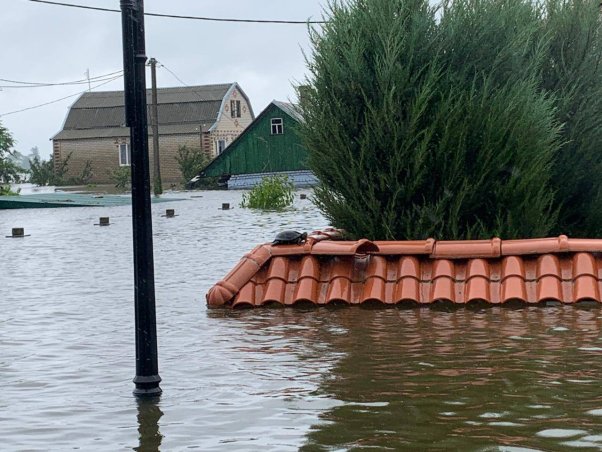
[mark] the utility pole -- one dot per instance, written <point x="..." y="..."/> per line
<point x="147" y="377"/>
<point x="87" y="74"/>
<point x="157" y="186"/>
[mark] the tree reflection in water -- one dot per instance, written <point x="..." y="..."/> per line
<point x="445" y="377"/>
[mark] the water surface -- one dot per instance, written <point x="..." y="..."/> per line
<point x="338" y="378"/>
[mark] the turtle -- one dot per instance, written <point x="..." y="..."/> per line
<point x="289" y="238"/>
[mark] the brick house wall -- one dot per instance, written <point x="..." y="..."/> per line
<point x="103" y="153"/>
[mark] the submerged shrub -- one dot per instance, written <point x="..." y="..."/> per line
<point x="6" y="190"/>
<point x="49" y="172"/>
<point x="190" y="161"/>
<point x="272" y="193"/>
<point x="419" y="126"/>
<point x="121" y="177"/>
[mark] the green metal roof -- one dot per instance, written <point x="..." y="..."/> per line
<point x="47" y="200"/>
<point x="256" y="150"/>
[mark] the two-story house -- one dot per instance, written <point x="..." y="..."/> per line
<point x="208" y="117"/>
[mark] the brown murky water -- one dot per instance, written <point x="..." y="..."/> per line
<point x="437" y="378"/>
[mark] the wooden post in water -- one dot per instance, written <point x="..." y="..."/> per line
<point x="147" y="377"/>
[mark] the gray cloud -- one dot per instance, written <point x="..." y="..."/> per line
<point x="44" y="43"/>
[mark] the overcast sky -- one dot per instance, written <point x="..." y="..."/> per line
<point x="46" y="43"/>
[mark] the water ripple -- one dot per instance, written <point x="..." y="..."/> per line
<point x="442" y="378"/>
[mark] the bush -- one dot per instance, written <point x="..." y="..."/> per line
<point x="5" y="190"/>
<point x="121" y="177"/>
<point x="272" y="193"/>
<point x="86" y="174"/>
<point x="191" y="161"/>
<point x="9" y="172"/>
<point x="420" y="124"/>
<point x="42" y="172"/>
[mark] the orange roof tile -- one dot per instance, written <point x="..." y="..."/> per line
<point x="324" y="270"/>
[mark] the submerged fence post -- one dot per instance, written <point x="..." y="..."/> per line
<point x="147" y="377"/>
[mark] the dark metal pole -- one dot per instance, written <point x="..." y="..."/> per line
<point x="157" y="185"/>
<point x="147" y="377"/>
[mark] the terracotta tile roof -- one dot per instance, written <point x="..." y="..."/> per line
<point x="323" y="270"/>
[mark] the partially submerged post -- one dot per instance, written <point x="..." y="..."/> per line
<point x="147" y="368"/>
<point x="17" y="233"/>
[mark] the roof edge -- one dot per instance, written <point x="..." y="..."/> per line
<point x="66" y="116"/>
<point x="233" y="86"/>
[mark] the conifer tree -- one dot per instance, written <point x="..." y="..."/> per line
<point x="432" y="123"/>
<point x="572" y="74"/>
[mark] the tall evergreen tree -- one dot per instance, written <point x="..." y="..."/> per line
<point x="572" y="73"/>
<point x="423" y="122"/>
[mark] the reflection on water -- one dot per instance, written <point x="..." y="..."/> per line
<point x="463" y="379"/>
<point x="333" y="378"/>
<point x="149" y="414"/>
<point x="446" y="378"/>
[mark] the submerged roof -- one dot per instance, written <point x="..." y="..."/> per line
<point x="323" y="270"/>
<point x="193" y="106"/>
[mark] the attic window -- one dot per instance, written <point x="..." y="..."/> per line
<point x="277" y="126"/>
<point x="235" y="108"/>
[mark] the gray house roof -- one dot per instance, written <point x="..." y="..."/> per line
<point x="180" y="110"/>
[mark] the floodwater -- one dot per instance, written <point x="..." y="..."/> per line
<point x="326" y="379"/>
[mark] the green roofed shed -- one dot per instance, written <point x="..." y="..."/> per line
<point x="270" y="144"/>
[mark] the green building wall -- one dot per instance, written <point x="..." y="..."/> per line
<point x="256" y="150"/>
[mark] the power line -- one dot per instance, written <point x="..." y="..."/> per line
<point x="172" y="73"/>
<point x="46" y="85"/>
<point x="84" y="80"/>
<point x="173" y="16"/>
<point x="58" y="100"/>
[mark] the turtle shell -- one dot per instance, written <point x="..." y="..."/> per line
<point x="289" y="238"/>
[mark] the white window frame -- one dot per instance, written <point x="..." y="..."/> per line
<point x="221" y="146"/>
<point x="128" y="155"/>
<point x="277" y="126"/>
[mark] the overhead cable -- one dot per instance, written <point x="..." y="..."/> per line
<point x="172" y="73"/>
<point x="74" y="82"/>
<point x="58" y="100"/>
<point x="51" y="85"/>
<point x="175" y="16"/>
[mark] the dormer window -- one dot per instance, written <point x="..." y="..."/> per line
<point x="277" y="126"/>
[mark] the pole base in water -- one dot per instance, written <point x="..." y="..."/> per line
<point x="147" y="386"/>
